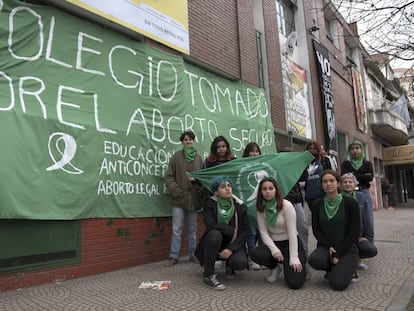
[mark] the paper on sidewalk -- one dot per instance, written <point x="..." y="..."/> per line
<point x="161" y="285"/>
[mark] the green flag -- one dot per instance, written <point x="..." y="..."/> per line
<point x="246" y="173"/>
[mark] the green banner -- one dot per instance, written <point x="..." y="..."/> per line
<point x="246" y="173"/>
<point x="90" y="118"/>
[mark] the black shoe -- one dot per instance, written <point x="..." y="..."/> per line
<point x="355" y="277"/>
<point x="171" y="262"/>
<point x="326" y="277"/>
<point x="230" y="274"/>
<point x="213" y="282"/>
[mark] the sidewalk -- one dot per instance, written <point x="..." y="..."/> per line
<point x="387" y="285"/>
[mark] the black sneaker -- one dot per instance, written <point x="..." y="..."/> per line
<point x="326" y="277"/>
<point x="230" y="274"/>
<point x="355" y="277"/>
<point x="212" y="281"/>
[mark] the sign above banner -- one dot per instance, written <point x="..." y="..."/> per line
<point x="92" y="117"/>
<point x="164" y="21"/>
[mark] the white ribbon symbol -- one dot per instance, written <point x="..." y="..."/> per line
<point x="258" y="176"/>
<point x="67" y="153"/>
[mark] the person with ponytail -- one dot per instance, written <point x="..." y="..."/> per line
<point x="336" y="227"/>
<point x="185" y="196"/>
<point x="276" y="219"/>
<point x="226" y="230"/>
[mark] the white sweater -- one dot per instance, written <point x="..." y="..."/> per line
<point x="285" y="229"/>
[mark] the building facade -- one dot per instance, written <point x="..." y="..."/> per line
<point x="311" y="66"/>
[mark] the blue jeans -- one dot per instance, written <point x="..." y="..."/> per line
<point x="367" y="217"/>
<point x="302" y="225"/>
<point x="179" y="215"/>
<point x="252" y="237"/>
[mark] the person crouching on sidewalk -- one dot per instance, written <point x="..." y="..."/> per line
<point x="227" y="228"/>
<point x="276" y="219"/>
<point x="336" y="227"/>
<point x="366" y="246"/>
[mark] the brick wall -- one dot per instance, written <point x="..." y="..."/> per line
<point x="214" y="34"/>
<point x="274" y="65"/>
<point x="106" y="245"/>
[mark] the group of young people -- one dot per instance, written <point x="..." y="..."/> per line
<point x="342" y="219"/>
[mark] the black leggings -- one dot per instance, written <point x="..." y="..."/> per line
<point x="263" y="256"/>
<point x="340" y="275"/>
<point x="214" y="243"/>
<point x="367" y="249"/>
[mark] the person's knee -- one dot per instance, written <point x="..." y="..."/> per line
<point x="239" y="264"/>
<point x="296" y="282"/>
<point x="214" y="237"/>
<point x="367" y="249"/>
<point x="317" y="262"/>
<point x="338" y="284"/>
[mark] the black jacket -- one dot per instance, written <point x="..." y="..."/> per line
<point x="364" y="175"/>
<point x="210" y="222"/>
<point x="351" y="222"/>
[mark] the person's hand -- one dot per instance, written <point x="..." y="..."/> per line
<point x="297" y="267"/>
<point x="362" y="239"/>
<point x="332" y="253"/>
<point x="278" y="256"/>
<point x="225" y="253"/>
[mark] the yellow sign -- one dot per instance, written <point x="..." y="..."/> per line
<point x="162" y="20"/>
<point x="398" y="155"/>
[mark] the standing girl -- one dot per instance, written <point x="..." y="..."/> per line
<point x="220" y="152"/>
<point x="252" y="149"/>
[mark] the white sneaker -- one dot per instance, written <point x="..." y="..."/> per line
<point x="274" y="274"/>
<point x="362" y="265"/>
<point x="254" y="266"/>
<point x="354" y="277"/>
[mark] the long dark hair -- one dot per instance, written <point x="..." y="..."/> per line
<point x="249" y="147"/>
<point x="317" y="147"/>
<point x="213" y="149"/>
<point x="260" y="199"/>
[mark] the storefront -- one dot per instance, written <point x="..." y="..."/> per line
<point x="399" y="169"/>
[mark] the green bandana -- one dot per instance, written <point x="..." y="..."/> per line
<point x="332" y="206"/>
<point x="351" y="195"/>
<point x="225" y="210"/>
<point x="357" y="163"/>
<point x="189" y="153"/>
<point x="271" y="212"/>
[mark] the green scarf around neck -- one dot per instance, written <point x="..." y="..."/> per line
<point x="351" y="195"/>
<point x="332" y="206"/>
<point x="357" y="163"/>
<point x="189" y="153"/>
<point x="271" y="212"/>
<point x="225" y="210"/>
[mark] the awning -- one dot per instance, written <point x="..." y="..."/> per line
<point x="398" y="155"/>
